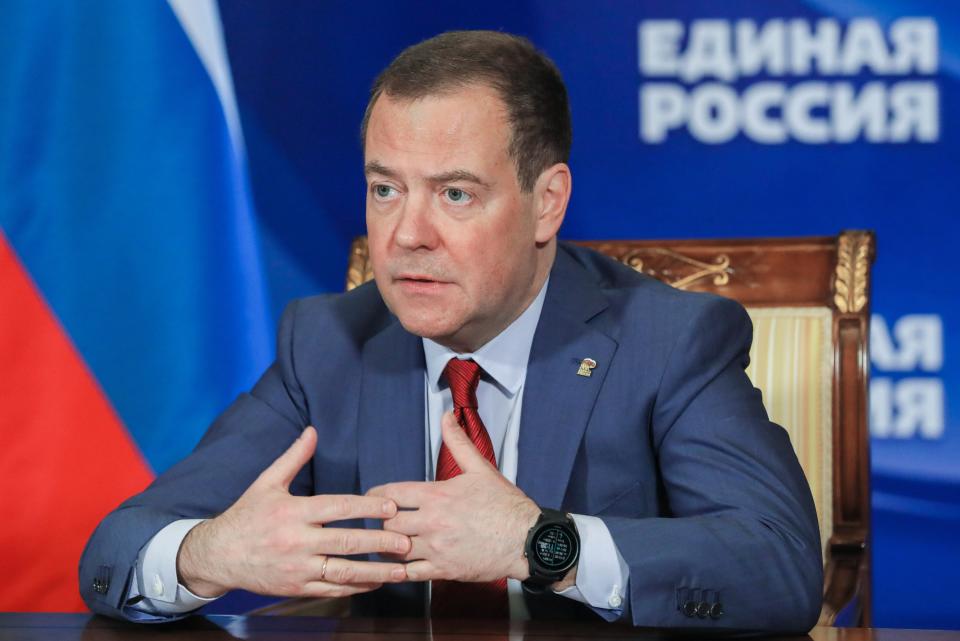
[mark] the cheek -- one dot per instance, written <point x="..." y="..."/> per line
<point x="377" y="246"/>
<point x="494" y="278"/>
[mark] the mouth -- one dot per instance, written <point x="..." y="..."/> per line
<point x="419" y="283"/>
<point x="418" y="277"/>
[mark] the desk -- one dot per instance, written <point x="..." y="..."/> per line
<point x="70" y="627"/>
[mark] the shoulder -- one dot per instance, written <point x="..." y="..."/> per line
<point x="332" y="320"/>
<point x="638" y="300"/>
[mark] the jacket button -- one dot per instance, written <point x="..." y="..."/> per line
<point x="703" y="609"/>
<point x="101" y="581"/>
<point x="716" y="611"/>
<point x="690" y="608"/>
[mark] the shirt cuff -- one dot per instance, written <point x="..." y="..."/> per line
<point x="156" y="579"/>
<point x="602" y="574"/>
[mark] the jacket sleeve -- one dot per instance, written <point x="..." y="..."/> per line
<point x="239" y="445"/>
<point x="739" y="548"/>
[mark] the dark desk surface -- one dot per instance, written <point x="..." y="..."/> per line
<point x="63" y="627"/>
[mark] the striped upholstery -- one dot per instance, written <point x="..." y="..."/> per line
<point x="791" y="362"/>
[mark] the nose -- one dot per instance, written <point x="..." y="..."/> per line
<point x="415" y="228"/>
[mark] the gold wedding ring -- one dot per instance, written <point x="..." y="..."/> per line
<point x="323" y="568"/>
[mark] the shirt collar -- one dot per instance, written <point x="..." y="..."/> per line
<point x="504" y="358"/>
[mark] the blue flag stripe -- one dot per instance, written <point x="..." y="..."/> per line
<point x="121" y="191"/>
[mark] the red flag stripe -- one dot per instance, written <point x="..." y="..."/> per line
<point x="65" y="458"/>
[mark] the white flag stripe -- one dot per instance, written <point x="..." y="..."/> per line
<point x="200" y="20"/>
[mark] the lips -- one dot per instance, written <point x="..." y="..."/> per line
<point x="417" y="277"/>
<point x="422" y="277"/>
<point x="419" y="283"/>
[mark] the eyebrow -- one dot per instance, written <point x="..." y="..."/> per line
<point x="455" y="175"/>
<point x="373" y="167"/>
<point x="458" y="175"/>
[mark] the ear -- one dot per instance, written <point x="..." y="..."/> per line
<point x="551" y="195"/>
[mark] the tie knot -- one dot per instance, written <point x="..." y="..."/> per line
<point x="463" y="377"/>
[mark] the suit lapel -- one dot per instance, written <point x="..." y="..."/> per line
<point x="391" y="415"/>
<point x="557" y="402"/>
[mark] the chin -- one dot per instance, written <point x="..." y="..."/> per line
<point x="425" y="327"/>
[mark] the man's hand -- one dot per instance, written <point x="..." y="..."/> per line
<point x="470" y="528"/>
<point x="271" y="542"/>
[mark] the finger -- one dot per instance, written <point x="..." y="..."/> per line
<point x="348" y="542"/>
<point x="328" y="508"/>
<point x="464" y="452"/>
<point x="282" y="471"/>
<point x="423" y="571"/>
<point x="320" y="589"/>
<point x="408" y="494"/>
<point x="419" y="550"/>
<point x="409" y="522"/>
<point x="347" y="571"/>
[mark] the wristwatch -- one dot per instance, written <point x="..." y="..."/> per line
<point x="552" y="549"/>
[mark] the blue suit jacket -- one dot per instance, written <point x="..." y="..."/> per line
<point x="668" y="442"/>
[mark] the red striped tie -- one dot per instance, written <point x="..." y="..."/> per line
<point x="452" y="599"/>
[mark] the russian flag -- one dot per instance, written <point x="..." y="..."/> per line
<point x="133" y="305"/>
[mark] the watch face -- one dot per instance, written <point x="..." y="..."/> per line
<point x="554" y="547"/>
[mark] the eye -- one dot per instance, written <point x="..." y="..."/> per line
<point x="383" y="191"/>
<point x="457" y="196"/>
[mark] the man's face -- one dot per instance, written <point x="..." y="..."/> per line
<point x="453" y="240"/>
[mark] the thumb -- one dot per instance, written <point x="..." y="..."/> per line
<point x="464" y="452"/>
<point x="281" y="471"/>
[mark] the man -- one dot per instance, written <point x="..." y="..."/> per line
<point x="605" y="448"/>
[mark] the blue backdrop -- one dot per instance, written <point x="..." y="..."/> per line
<point x="691" y="119"/>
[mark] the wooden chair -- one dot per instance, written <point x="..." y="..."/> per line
<point x="809" y="302"/>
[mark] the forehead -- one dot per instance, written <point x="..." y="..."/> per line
<point x="467" y="126"/>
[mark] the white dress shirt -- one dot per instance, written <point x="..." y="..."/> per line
<point x="602" y="573"/>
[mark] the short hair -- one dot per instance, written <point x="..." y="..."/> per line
<point x="528" y="82"/>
